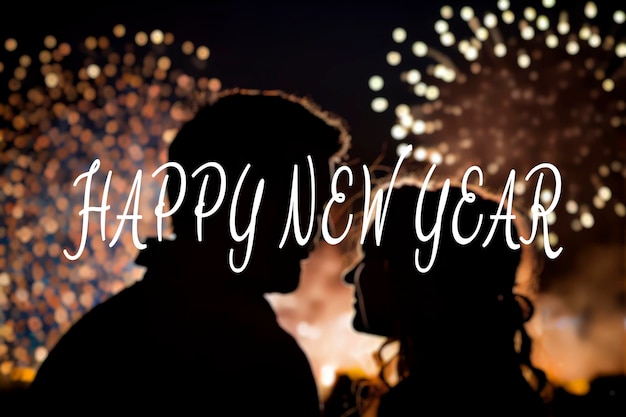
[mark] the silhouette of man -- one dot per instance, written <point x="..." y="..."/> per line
<point x="196" y="333"/>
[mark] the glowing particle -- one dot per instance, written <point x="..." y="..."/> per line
<point x="420" y="49"/>
<point x="527" y="33"/>
<point x="490" y="20"/>
<point x="504" y="5"/>
<point x="432" y="92"/>
<point x="571" y="207"/>
<point x="41" y="353"/>
<point x="419" y="127"/>
<point x="447" y="39"/>
<point x="446" y="12"/>
<point x="215" y="84"/>
<point x="402" y="110"/>
<point x="587" y="220"/>
<point x="608" y="85"/>
<point x="5" y="279"/>
<point x="394" y="58"/>
<point x="187" y="47"/>
<point x="420" y="154"/>
<point x="563" y="27"/>
<point x="119" y="30"/>
<point x="379" y="104"/>
<point x="203" y="53"/>
<point x="591" y="10"/>
<point x="91" y="43"/>
<point x="10" y="44"/>
<point x="467" y="13"/>
<point x="508" y="17"/>
<point x="543" y="23"/>
<point x="552" y="41"/>
<point x="441" y="26"/>
<point x="413" y="76"/>
<point x="51" y="79"/>
<point x="141" y="38"/>
<point x="605" y="193"/>
<point x="398" y="132"/>
<point x="156" y="37"/>
<point x="49" y="41"/>
<point x="523" y="60"/>
<point x="595" y="40"/>
<point x="572" y="47"/>
<point x="398" y="35"/>
<point x="530" y="13"/>
<point x="93" y="71"/>
<point x="376" y="83"/>
<point x="499" y="50"/>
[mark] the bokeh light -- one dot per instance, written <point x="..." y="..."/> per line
<point x="119" y="97"/>
<point x="512" y="88"/>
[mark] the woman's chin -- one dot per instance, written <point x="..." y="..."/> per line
<point x="358" y="325"/>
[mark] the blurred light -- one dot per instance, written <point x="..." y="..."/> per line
<point x="490" y="20"/>
<point x="571" y="207"/>
<point x="50" y="41"/>
<point x="587" y="220"/>
<point x="157" y="37"/>
<point x="591" y="10"/>
<point x="420" y="154"/>
<point x="420" y="49"/>
<point x="203" y="53"/>
<point x="441" y="26"/>
<point x="379" y="104"/>
<point x="530" y="13"/>
<point x="399" y="35"/>
<point x="10" y="44"/>
<point x="446" y="12"/>
<point x="376" y="83"/>
<point x="402" y="110"/>
<point x="543" y="23"/>
<point x="327" y="376"/>
<point x="413" y="76"/>
<point x="398" y="132"/>
<point x="394" y="58"/>
<point x="467" y="13"/>
<point x="141" y="38"/>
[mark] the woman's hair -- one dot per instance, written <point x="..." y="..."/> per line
<point x="463" y="273"/>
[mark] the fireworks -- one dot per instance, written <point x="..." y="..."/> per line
<point x="514" y="88"/>
<point x="119" y="98"/>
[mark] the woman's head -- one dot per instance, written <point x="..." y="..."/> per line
<point x="467" y="286"/>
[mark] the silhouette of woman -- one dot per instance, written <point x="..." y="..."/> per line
<point x="460" y="325"/>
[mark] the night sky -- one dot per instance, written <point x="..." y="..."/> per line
<point x="326" y="52"/>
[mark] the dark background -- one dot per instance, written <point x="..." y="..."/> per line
<point x="326" y="51"/>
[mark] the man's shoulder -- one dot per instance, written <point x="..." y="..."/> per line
<point x="114" y="311"/>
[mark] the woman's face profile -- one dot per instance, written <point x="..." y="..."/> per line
<point x="377" y="294"/>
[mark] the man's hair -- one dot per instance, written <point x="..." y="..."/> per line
<point x="270" y="130"/>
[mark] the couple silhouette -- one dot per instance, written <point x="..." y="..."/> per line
<point x="195" y="337"/>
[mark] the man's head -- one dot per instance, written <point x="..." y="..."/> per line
<point x="271" y="131"/>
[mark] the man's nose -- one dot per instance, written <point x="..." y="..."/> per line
<point x="349" y="277"/>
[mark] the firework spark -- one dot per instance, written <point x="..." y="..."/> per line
<point x="511" y="89"/>
<point x="118" y="98"/>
